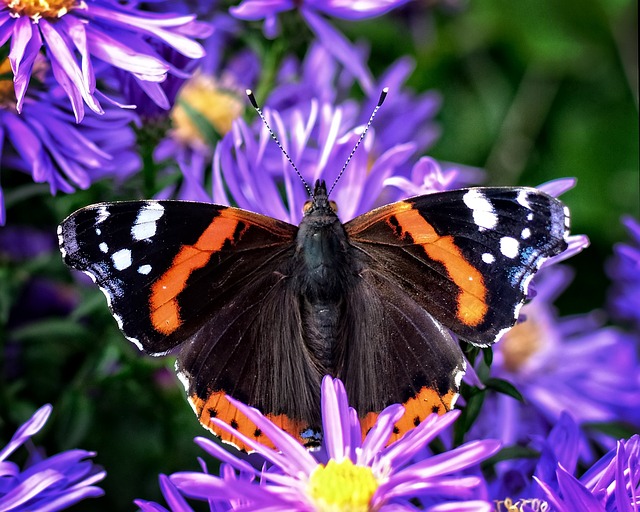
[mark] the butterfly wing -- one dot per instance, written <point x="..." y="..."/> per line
<point x="466" y="256"/>
<point x="209" y="278"/>
<point x="395" y="352"/>
<point x="143" y="254"/>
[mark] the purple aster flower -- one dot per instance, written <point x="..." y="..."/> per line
<point x="406" y="116"/>
<point x="204" y="109"/>
<point x="46" y="142"/>
<point x="259" y="9"/>
<point x="560" y="364"/>
<point x="514" y="484"/>
<point x="75" y="32"/>
<point x="427" y="177"/>
<point x="310" y="10"/>
<point x="624" y="270"/>
<point x="348" y="473"/>
<point x="612" y="484"/>
<point x="253" y="169"/>
<point x="46" y="483"/>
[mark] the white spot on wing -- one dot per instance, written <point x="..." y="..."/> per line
<point x="144" y="269"/>
<point x="61" y="242"/>
<point x="121" y="259"/>
<point x="98" y="231"/>
<point x="488" y="258"/>
<point x="522" y="199"/>
<point x="104" y="247"/>
<point x="483" y="212"/>
<point x="509" y="246"/>
<point x="103" y="213"/>
<point x="526" y="233"/>
<point x="530" y="216"/>
<point x="145" y="225"/>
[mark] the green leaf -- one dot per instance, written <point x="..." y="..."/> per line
<point x="614" y="429"/>
<point x="50" y="328"/>
<point x="511" y="453"/>
<point x="487" y="355"/>
<point x="469" y="415"/>
<point x="504" y="387"/>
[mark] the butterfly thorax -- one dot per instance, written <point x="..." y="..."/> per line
<point x="323" y="272"/>
<point x="322" y="249"/>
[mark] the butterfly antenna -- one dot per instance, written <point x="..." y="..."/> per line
<point x="383" y="95"/>
<point x="253" y="101"/>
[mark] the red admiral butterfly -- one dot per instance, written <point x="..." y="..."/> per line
<point x="261" y="310"/>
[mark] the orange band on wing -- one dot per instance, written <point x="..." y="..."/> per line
<point x="217" y="406"/>
<point x="472" y="307"/>
<point x="417" y="408"/>
<point x="165" y="311"/>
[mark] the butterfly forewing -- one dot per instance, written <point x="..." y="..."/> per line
<point x="148" y="258"/>
<point x="467" y="255"/>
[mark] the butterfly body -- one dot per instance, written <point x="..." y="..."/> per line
<point x="261" y="310"/>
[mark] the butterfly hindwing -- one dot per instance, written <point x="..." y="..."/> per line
<point x="396" y="352"/>
<point x="252" y="348"/>
<point x="467" y="255"/>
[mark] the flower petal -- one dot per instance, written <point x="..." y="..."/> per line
<point x="465" y="456"/>
<point x="30" y="428"/>
<point x="340" y="47"/>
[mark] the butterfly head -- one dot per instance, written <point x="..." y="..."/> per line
<point x="319" y="204"/>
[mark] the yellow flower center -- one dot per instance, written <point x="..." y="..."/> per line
<point x="37" y="9"/>
<point x="520" y="343"/>
<point x="342" y="487"/>
<point x="202" y="106"/>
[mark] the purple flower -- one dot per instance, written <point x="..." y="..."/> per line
<point x="259" y="9"/>
<point x="405" y="117"/>
<point x="338" y="45"/>
<point x="347" y="474"/>
<point x="205" y="107"/>
<point x="624" y="270"/>
<point x="560" y="364"/>
<point x="46" y="142"/>
<point x="253" y="168"/>
<point x="611" y="484"/>
<point x="50" y="484"/>
<point x="75" y="33"/>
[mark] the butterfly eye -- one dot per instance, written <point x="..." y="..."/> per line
<point x="334" y="206"/>
<point x="307" y="206"/>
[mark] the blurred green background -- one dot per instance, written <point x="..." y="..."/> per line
<point x="532" y="90"/>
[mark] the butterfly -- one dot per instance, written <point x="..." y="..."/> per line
<point x="260" y="310"/>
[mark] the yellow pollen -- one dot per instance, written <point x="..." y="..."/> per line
<point x="203" y="105"/>
<point x="523" y="341"/>
<point x="36" y="9"/>
<point x="342" y="487"/>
